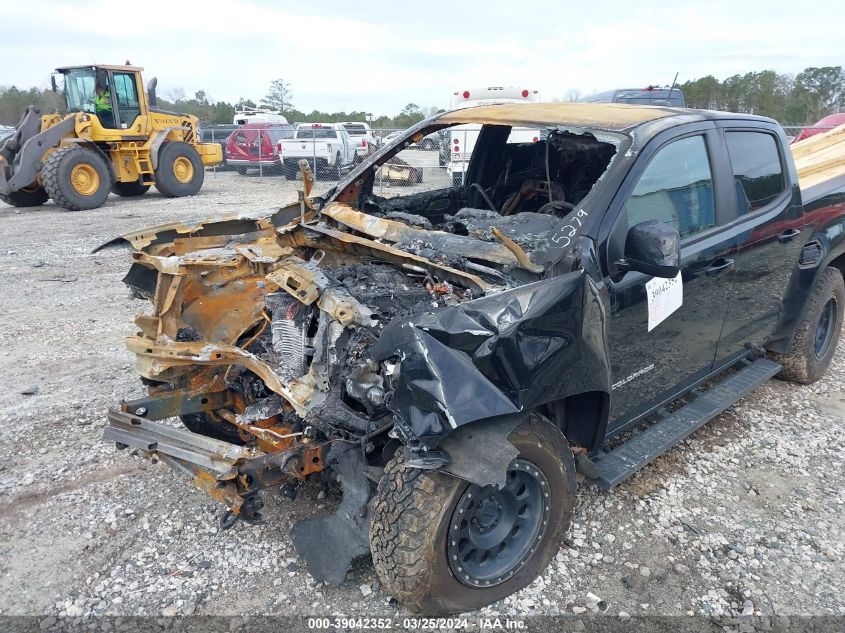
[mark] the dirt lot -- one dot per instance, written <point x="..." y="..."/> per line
<point x="745" y="517"/>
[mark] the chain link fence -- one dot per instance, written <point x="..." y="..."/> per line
<point x="434" y="162"/>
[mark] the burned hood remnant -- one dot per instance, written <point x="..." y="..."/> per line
<point x="320" y="339"/>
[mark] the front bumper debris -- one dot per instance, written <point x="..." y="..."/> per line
<point x="229" y="473"/>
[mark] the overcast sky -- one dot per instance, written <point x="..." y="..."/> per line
<point x="381" y="55"/>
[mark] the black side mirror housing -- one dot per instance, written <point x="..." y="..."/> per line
<point x="653" y="248"/>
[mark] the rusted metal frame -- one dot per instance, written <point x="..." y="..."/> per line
<point x="215" y="456"/>
<point x="168" y="302"/>
<point x="301" y="393"/>
<point x="169" y="404"/>
<point x="521" y="256"/>
<point x="393" y="255"/>
<point x="393" y="231"/>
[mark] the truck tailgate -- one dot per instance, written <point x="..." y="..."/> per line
<point x="304" y="148"/>
<point x="820" y="161"/>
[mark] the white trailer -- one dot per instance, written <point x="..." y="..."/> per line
<point x="462" y="138"/>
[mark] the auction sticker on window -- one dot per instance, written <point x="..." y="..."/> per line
<point x="664" y="297"/>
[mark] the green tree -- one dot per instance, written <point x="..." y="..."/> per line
<point x="821" y="89"/>
<point x="280" y="96"/>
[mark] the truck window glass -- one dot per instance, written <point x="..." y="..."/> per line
<point x="676" y="188"/>
<point x="758" y="174"/>
<point x="127" y="98"/>
<point x="317" y="133"/>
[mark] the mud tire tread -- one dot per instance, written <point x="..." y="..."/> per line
<point x="800" y="364"/>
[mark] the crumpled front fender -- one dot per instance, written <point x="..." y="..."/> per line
<point x="498" y="355"/>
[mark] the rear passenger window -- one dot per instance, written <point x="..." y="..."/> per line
<point x="758" y="174"/>
<point x="676" y="188"/>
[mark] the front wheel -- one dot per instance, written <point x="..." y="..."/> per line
<point x="180" y="171"/>
<point x="815" y="340"/>
<point x="77" y="178"/>
<point x="441" y="545"/>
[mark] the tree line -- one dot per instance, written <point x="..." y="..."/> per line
<point x="799" y="99"/>
<point x="14" y="101"/>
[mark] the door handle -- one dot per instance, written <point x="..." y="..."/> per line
<point x="787" y="236"/>
<point x="719" y="267"/>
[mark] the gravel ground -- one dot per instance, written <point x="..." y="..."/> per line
<point x="745" y="517"/>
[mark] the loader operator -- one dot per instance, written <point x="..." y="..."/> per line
<point x="102" y="102"/>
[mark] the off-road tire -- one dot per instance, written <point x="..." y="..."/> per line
<point x="167" y="182"/>
<point x="413" y="509"/>
<point x="203" y="424"/>
<point x="58" y="173"/>
<point x="22" y="198"/>
<point x="801" y="364"/>
<point x="129" y="189"/>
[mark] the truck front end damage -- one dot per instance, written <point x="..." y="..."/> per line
<point x="304" y="343"/>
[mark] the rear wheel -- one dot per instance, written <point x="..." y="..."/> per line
<point x="818" y="332"/>
<point x="77" y="178"/>
<point x="29" y="197"/>
<point x="129" y="189"/>
<point x="180" y="170"/>
<point x="441" y="545"/>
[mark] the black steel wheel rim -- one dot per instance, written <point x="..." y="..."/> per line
<point x="825" y="328"/>
<point x="492" y="532"/>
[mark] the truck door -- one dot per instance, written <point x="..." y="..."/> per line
<point x="768" y="227"/>
<point x="662" y="334"/>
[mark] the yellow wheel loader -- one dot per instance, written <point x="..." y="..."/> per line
<point x="112" y="139"/>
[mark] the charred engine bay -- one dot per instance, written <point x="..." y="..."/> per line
<point x="313" y="294"/>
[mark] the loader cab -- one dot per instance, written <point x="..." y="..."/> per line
<point x="124" y="84"/>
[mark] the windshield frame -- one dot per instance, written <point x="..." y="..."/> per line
<point x="73" y="80"/>
<point x="583" y="223"/>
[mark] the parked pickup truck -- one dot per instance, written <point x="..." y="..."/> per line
<point x="452" y="356"/>
<point x="327" y="147"/>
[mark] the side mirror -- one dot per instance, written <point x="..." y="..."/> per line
<point x="653" y="248"/>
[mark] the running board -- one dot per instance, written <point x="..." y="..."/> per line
<point x="607" y="470"/>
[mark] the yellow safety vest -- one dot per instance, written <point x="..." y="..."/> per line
<point x="102" y="101"/>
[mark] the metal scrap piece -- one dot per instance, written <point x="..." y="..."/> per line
<point x="346" y="529"/>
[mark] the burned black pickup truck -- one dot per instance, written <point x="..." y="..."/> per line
<point x="451" y="355"/>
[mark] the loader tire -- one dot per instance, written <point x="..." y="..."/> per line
<point x="180" y="171"/>
<point x="815" y="340"/>
<point x="77" y="178"/>
<point x="129" y="189"/>
<point x="25" y="197"/>
<point x="416" y="510"/>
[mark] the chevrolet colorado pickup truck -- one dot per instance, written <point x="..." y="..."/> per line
<point x="450" y="357"/>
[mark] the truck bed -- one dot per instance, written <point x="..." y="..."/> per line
<point x="820" y="161"/>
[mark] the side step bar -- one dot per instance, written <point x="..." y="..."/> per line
<point x="610" y="469"/>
